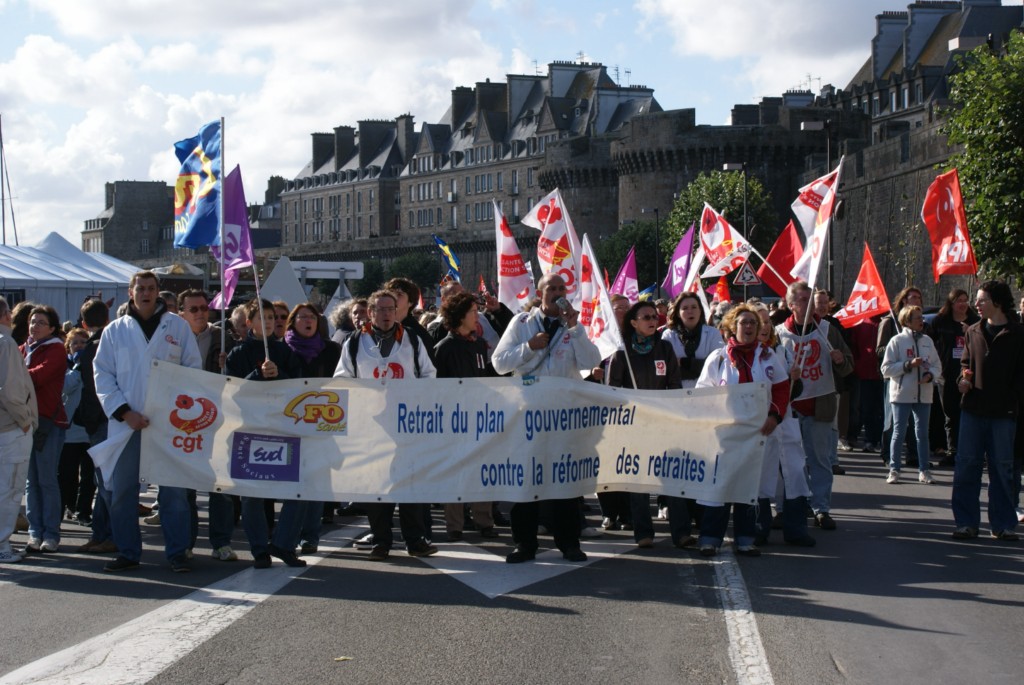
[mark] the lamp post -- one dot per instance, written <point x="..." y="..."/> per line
<point x="825" y="126"/>
<point x="657" y="249"/>
<point x="742" y="168"/>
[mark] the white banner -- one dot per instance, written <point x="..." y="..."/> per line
<point x="448" y="440"/>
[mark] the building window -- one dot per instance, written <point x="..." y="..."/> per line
<point x="906" y="96"/>
<point x="412" y="219"/>
<point x="359" y="226"/>
<point x="499" y="181"/>
<point x="919" y="98"/>
<point x="372" y="224"/>
<point x="145" y="224"/>
<point x="490" y="183"/>
<point x="469" y="214"/>
<point x="144" y="245"/>
<point x="892" y="100"/>
<point x="455" y="218"/>
<point x="529" y="177"/>
<point x="359" y="202"/>
<point x="439" y="216"/>
<point x="875" y="105"/>
<point x="469" y="188"/>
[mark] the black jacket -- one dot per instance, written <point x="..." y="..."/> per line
<point x="997" y="388"/>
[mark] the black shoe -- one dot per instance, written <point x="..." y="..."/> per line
<point x="309" y="548"/>
<point x="287" y="556"/>
<point x="777" y="521"/>
<point x="365" y="541"/>
<point x="824" y="521"/>
<point x="261" y="561"/>
<point x="455" y="536"/>
<point x="350" y="510"/>
<point x="574" y="555"/>
<point x="179" y="564"/>
<point x="748" y="551"/>
<point x="420" y="548"/>
<point x="838" y="470"/>
<point x="501" y="520"/>
<point x="327" y="520"/>
<point x="519" y="555"/>
<point x="120" y="564"/>
<point x="488" y="532"/>
<point x="803" y="541"/>
<point x="379" y="553"/>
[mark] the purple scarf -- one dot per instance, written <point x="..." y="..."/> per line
<point x="307" y="348"/>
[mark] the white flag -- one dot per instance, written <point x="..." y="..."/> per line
<point x="596" y="315"/>
<point x="515" y="284"/>
<point x="558" y="248"/>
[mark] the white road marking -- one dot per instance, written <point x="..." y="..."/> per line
<point x="139" y="650"/>
<point x="488" y="574"/>
<point x="746" y="651"/>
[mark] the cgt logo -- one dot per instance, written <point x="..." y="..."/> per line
<point x="191" y="415"/>
<point x="326" y="409"/>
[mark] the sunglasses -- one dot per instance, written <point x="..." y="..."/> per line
<point x="648" y="317"/>
<point x="198" y="308"/>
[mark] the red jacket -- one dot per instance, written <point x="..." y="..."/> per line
<point x="46" y="366"/>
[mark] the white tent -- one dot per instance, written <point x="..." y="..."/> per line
<point x="57" y="273"/>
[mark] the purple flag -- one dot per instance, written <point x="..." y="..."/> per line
<point x="625" y="281"/>
<point x="679" y="267"/>
<point x="236" y="253"/>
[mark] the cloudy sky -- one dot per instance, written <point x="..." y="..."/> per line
<point x="99" y="91"/>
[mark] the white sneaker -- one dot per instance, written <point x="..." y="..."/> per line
<point x="663" y="514"/>
<point x="153" y="519"/>
<point x="49" y="546"/>
<point x="844" y="446"/>
<point x="925" y="477"/>
<point x="9" y="556"/>
<point x="590" y="532"/>
<point x="225" y="553"/>
<point x="1020" y="514"/>
<point x="34" y="545"/>
<point x="894" y="477"/>
<point x="607" y="523"/>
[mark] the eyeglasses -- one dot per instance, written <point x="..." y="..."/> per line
<point x="648" y="317"/>
<point x="306" y="317"/>
<point x="198" y="308"/>
<point x="385" y="310"/>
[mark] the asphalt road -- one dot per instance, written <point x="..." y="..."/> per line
<point x="888" y="597"/>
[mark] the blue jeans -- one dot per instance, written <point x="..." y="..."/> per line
<point x="680" y="520"/>
<point x="222" y="519"/>
<point x="311" y="523"/>
<point x="819" y="440"/>
<point x="43" y="506"/>
<point x="121" y="495"/>
<point x="100" y="516"/>
<point x="286" y="532"/>
<point x="716" y="520"/>
<point x="901" y="412"/>
<point x="981" y="436"/>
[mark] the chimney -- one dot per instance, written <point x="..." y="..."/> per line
<point x="406" y="137"/>
<point x="344" y="145"/>
<point x="463" y="99"/>
<point x="322" y="149"/>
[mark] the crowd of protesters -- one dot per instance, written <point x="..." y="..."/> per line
<point x="925" y="394"/>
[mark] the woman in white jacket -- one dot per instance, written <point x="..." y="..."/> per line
<point x="912" y="365"/>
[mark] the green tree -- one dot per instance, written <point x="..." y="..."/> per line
<point x="723" y="190"/>
<point x="373" y="277"/>
<point x="422" y="268"/>
<point x="987" y="121"/>
<point x="612" y="251"/>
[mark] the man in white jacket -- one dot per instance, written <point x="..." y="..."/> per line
<point x="19" y="417"/>
<point x="127" y="348"/>
<point x="546" y="342"/>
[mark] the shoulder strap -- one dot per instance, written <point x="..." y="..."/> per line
<point x="353" y="351"/>
<point x="415" y="340"/>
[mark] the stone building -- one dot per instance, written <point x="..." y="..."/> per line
<point x="383" y="190"/>
<point x="137" y="222"/>
<point x="903" y="89"/>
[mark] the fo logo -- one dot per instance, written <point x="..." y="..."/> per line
<point x="191" y="415"/>
<point x="326" y="409"/>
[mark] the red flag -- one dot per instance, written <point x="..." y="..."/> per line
<point x="868" y="298"/>
<point x="722" y="290"/>
<point x="482" y="288"/>
<point x="783" y="257"/>
<point x="943" y="215"/>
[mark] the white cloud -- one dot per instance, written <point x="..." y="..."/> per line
<point x="780" y="41"/>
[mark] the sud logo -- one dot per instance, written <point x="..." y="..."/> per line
<point x="265" y="457"/>
<point x="190" y="416"/>
<point x="326" y="409"/>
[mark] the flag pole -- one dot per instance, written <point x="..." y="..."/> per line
<point x="766" y="263"/>
<point x="223" y="304"/>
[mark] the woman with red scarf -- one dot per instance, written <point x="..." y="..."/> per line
<point x="743" y="360"/>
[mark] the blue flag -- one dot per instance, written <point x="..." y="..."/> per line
<point x="647" y="293"/>
<point x="453" y="261"/>
<point x="197" y="190"/>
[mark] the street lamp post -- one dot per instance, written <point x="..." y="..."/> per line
<point x="657" y="249"/>
<point x="742" y="168"/>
